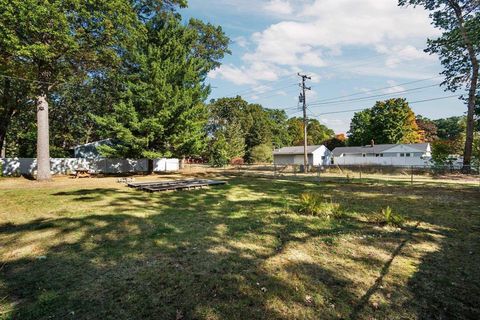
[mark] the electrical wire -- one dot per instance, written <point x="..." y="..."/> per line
<point x="374" y="96"/>
<point x="375" y="90"/>
<point x="361" y="109"/>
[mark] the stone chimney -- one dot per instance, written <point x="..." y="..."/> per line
<point x="372" y="143"/>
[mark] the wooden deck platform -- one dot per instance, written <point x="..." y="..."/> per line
<point x="157" y="186"/>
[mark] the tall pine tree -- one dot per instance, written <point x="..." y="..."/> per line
<point x="162" y="111"/>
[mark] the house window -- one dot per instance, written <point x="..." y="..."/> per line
<point x="364" y="155"/>
<point x="323" y="157"/>
<point x="402" y="154"/>
<point x="379" y="155"/>
<point x="407" y="154"/>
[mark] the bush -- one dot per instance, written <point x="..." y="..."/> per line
<point x="391" y="218"/>
<point x="237" y="161"/>
<point x="262" y="153"/>
<point x="315" y="205"/>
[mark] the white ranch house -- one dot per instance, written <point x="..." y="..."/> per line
<point x="416" y="154"/>
<point x="317" y="155"/>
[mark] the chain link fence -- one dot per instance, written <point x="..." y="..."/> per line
<point x="352" y="173"/>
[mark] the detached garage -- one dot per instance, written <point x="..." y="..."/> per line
<point x="317" y="155"/>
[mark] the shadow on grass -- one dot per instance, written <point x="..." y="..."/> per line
<point x="201" y="254"/>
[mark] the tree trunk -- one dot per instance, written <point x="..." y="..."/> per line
<point x="5" y="118"/>
<point x="43" y="147"/>
<point x="472" y="92"/>
<point x="3" y="149"/>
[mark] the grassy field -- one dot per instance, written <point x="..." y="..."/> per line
<point x="94" y="249"/>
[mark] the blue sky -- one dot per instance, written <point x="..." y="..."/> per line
<point x="356" y="51"/>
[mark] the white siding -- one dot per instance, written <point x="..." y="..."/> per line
<point x="314" y="158"/>
<point x="17" y="166"/>
<point x="384" y="161"/>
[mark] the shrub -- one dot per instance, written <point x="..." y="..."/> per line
<point x="391" y="218"/>
<point x="262" y="153"/>
<point x="237" y="161"/>
<point x="315" y="205"/>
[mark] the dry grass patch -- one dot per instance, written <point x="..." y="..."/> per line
<point x="92" y="248"/>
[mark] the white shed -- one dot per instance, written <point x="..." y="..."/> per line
<point x="317" y="155"/>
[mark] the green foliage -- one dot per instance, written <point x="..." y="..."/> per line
<point x="458" y="47"/>
<point x="392" y="219"/>
<point x="317" y="133"/>
<point x="246" y="126"/>
<point x="315" y="205"/>
<point x="161" y="112"/>
<point x="390" y="121"/>
<point x="360" y="129"/>
<point x="450" y="128"/>
<point x="262" y="153"/>
<point x="226" y="144"/>
<point x="219" y="153"/>
<point x="441" y="151"/>
<point x="279" y="127"/>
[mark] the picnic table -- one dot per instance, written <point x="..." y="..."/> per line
<point x="82" y="173"/>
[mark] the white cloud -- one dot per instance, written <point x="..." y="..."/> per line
<point x="394" y="88"/>
<point x="319" y="30"/>
<point x="280" y="7"/>
<point x="398" y="54"/>
<point x="251" y="74"/>
<point x="241" y="41"/>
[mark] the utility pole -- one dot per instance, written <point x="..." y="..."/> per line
<point x="303" y="100"/>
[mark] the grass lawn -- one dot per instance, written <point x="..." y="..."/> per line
<point x="94" y="249"/>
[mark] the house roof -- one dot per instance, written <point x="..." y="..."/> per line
<point x="423" y="147"/>
<point x="295" y="150"/>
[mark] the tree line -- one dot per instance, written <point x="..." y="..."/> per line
<point x="393" y="121"/>
<point x="135" y="71"/>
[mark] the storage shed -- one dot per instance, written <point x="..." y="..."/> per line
<point x="317" y="155"/>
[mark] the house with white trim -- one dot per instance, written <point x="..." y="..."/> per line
<point x="414" y="154"/>
<point x="317" y="155"/>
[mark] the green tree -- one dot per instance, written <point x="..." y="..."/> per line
<point x="219" y="150"/>
<point x="458" y="48"/>
<point x="278" y="123"/>
<point x="14" y="100"/>
<point x="317" y="133"/>
<point x="360" y="133"/>
<point x="50" y="41"/>
<point x="390" y="121"/>
<point x="228" y="142"/>
<point x="258" y="126"/>
<point x="295" y="131"/>
<point x="262" y="153"/>
<point x="162" y="111"/>
<point x="450" y="128"/>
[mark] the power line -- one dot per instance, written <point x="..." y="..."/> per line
<point x="375" y="90"/>
<point x="374" y="96"/>
<point x="361" y="109"/>
<point x="335" y="66"/>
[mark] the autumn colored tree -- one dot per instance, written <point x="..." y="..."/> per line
<point x="427" y="129"/>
